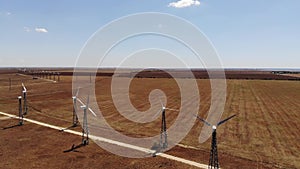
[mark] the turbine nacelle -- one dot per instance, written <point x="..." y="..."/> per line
<point x="74" y="98"/>
<point x="214" y="127"/>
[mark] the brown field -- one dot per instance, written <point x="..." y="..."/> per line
<point x="263" y="135"/>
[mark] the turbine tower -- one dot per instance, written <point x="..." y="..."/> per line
<point x="85" y="130"/>
<point x="163" y="131"/>
<point x="163" y="142"/>
<point x="24" y="93"/>
<point x="20" y="111"/>
<point x="213" y="158"/>
<point x="75" y="118"/>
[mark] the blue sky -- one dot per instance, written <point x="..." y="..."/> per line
<point x="247" y="34"/>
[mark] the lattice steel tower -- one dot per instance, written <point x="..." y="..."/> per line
<point x="213" y="158"/>
<point x="75" y="117"/>
<point x="85" y="130"/>
<point x="20" y="111"/>
<point x="163" y="131"/>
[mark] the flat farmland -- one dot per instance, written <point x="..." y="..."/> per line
<point x="263" y="135"/>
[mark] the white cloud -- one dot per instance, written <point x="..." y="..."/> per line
<point x="184" y="3"/>
<point x="26" y="29"/>
<point x="41" y="30"/>
<point x="7" y="13"/>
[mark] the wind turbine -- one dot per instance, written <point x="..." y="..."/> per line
<point x="213" y="158"/>
<point x="85" y="129"/>
<point x="163" y="142"/>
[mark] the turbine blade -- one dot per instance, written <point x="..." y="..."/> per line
<point x="172" y="109"/>
<point x="87" y="102"/>
<point x="77" y="92"/>
<point x="223" y="121"/>
<point x="89" y="109"/>
<point x="205" y="122"/>
<point x="161" y="103"/>
<point x="157" y="113"/>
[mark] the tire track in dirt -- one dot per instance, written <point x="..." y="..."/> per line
<point x="237" y="110"/>
<point x="246" y="121"/>
<point x="281" y="117"/>
<point x="252" y="114"/>
<point x="281" y="120"/>
<point x="273" y="133"/>
<point x="229" y="109"/>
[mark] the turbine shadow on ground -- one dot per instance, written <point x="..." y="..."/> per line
<point x="74" y="148"/>
<point x="67" y="128"/>
<point x="17" y="125"/>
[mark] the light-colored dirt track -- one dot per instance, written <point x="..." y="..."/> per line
<point x="192" y="163"/>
